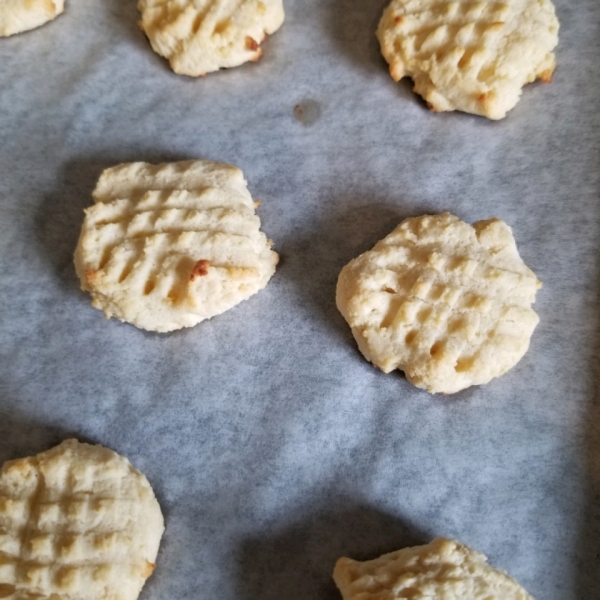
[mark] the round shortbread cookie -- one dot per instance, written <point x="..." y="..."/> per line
<point x="473" y="56"/>
<point x="17" y="16"/>
<point x="77" y="522"/>
<point x="446" y="302"/>
<point x="441" y="569"/>
<point x="200" y="36"/>
<point x="168" y="246"/>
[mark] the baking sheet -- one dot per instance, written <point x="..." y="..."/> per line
<point x="273" y="447"/>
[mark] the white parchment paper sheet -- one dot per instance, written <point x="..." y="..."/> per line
<point x="273" y="447"/>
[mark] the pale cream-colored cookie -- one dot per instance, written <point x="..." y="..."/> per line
<point x="77" y="522"/>
<point x="446" y="302"/>
<point x="200" y="36"/>
<point x="441" y="570"/>
<point x="473" y="56"/>
<point x="17" y="16"/>
<point x="168" y="246"/>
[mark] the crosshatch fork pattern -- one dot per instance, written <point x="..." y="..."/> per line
<point x="167" y="246"/>
<point x="436" y="27"/>
<point x="444" y="569"/>
<point x="200" y="37"/>
<point x="468" y="55"/>
<point x="439" y="297"/>
<point x="77" y="521"/>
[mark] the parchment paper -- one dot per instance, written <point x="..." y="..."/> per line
<point x="273" y="446"/>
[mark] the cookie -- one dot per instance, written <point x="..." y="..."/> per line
<point x="470" y="56"/>
<point x="198" y="37"/>
<point x="168" y="246"/>
<point x="441" y="569"/>
<point x="77" y="522"/>
<point x="446" y="302"/>
<point x="17" y="16"/>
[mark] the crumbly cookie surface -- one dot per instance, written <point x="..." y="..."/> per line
<point x="472" y="56"/>
<point x="168" y="246"/>
<point x="200" y="36"/>
<point x="77" y="522"/>
<point x="446" y="302"/>
<point x="17" y="16"/>
<point x="441" y="569"/>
